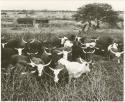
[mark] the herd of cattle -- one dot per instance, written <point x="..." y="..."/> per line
<point x="70" y="53"/>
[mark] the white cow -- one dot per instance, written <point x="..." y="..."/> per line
<point x="75" y="69"/>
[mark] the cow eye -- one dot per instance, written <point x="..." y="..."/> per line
<point x="86" y="64"/>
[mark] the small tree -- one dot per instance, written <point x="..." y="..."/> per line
<point x="96" y="12"/>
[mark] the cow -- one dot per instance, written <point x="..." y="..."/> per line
<point x="89" y="52"/>
<point x="6" y="54"/>
<point x="102" y="44"/>
<point x="17" y="44"/>
<point x="75" y="69"/>
<point x="20" y="59"/>
<point x="77" y="51"/>
<point x="34" y="46"/>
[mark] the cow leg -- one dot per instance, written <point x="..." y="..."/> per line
<point x="70" y="78"/>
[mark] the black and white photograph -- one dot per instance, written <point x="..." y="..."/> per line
<point x="62" y="50"/>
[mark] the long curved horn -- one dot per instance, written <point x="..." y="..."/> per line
<point x="46" y="48"/>
<point x="51" y="68"/>
<point x="81" y="60"/>
<point x="82" y="44"/>
<point x="96" y="48"/>
<point x="47" y="63"/>
<point x="112" y="51"/>
<point x="84" y="51"/>
<point x="83" y="47"/>
<point x="122" y="52"/>
<point x="24" y="40"/>
<point x="32" y="41"/>
<point x="69" y="51"/>
<point x="32" y="63"/>
<point x="47" y="52"/>
<point x="36" y="52"/>
<point x="93" y="51"/>
<point x="90" y="61"/>
<point x="91" y="46"/>
<point x="60" y="52"/>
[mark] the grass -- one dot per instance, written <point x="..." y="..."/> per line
<point x="103" y="83"/>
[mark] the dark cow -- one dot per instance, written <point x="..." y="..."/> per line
<point x="17" y="44"/>
<point x="35" y="46"/>
<point x="6" y="54"/>
<point x="102" y="45"/>
<point x="77" y="51"/>
<point x="21" y="59"/>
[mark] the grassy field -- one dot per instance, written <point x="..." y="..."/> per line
<point x="103" y="83"/>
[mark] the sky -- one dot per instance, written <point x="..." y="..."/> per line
<point x="56" y="4"/>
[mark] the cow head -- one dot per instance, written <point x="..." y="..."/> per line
<point x="77" y="38"/>
<point x="38" y="66"/>
<point x="20" y="50"/>
<point x="3" y="44"/>
<point x="56" y="72"/>
<point x="86" y="65"/>
<point x="115" y="45"/>
<point x="63" y="39"/>
<point x="65" y="54"/>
